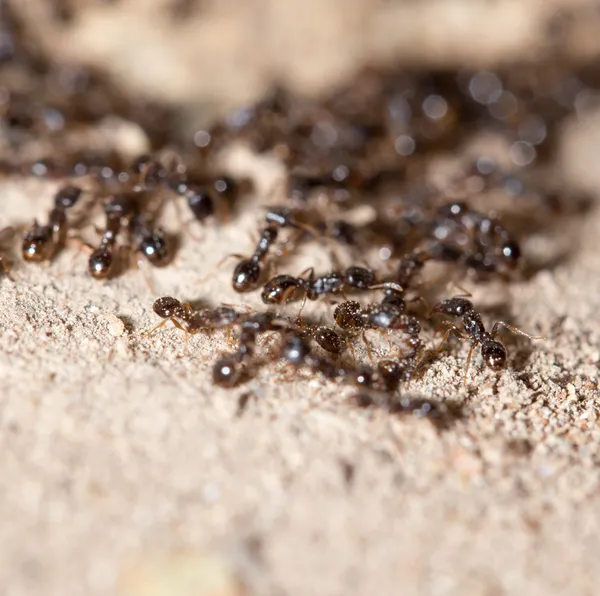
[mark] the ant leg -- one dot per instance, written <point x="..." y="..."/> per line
<point x="288" y="294"/>
<point x="298" y="320"/>
<point x="162" y="324"/>
<point x="335" y="259"/>
<point x="464" y="294"/>
<point x="453" y="330"/>
<point x="421" y="300"/>
<point x="310" y="271"/>
<point x="351" y="348"/>
<point x="468" y="363"/>
<point x="228" y="336"/>
<point x="388" y="285"/>
<point x="5" y="270"/>
<point x="368" y="346"/>
<point x="513" y="330"/>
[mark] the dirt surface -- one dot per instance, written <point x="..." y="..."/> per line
<point x="123" y="470"/>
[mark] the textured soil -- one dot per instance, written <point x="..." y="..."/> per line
<point x="117" y="453"/>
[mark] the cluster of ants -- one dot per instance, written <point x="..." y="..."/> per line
<point x="366" y="145"/>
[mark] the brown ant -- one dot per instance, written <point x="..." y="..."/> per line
<point x="492" y="351"/>
<point x="191" y="321"/>
<point x="41" y="242"/>
<point x="389" y="314"/>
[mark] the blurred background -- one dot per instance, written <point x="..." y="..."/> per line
<point x="207" y="53"/>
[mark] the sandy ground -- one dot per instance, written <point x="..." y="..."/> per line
<point x="123" y="470"/>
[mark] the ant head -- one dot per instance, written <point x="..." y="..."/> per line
<point x="359" y="277"/>
<point x="226" y="372"/>
<point x="226" y="186"/>
<point x="155" y="248"/>
<point x="200" y="203"/>
<point x="280" y="289"/>
<point x="246" y="276"/>
<point x="166" y="307"/>
<point x="295" y="350"/>
<point x="455" y="307"/>
<point x="67" y="196"/>
<point x="494" y="354"/>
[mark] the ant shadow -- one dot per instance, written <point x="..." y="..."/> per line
<point x="443" y="415"/>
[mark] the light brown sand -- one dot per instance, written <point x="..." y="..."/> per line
<point x="116" y="453"/>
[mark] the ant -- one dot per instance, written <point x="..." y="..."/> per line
<point x="492" y="248"/>
<point x="41" y="242"/>
<point x="492" y="351"/>
<point x="191" y="321"/>
<point x="282" y="288"/>
<point x="229" y="370"/>
<point x="117" y="209"/>
<point x="325" y="337"/>
<point x="247" y="273"/>
<point x="389" y="314"/>
<point x="151" y="242"/>
<point x="123" y="211"/>
<point x="296" y="351"/>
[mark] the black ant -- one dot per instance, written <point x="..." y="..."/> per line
<point x="117" y="209"/>
<point x="492" y="351"/>
<point x="296" y="351"/>
<point x="41" y="242"/>
<point x="247" y="273"/>
<point x="283" y="288"/>
<point x="152" y="242"/>
<point x="389" y="314"/>
<point x="229" y="370"/>
<point x="324" y="336"/>
<point x="485" y="244"/>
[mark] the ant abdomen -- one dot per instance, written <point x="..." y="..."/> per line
<point x="100" y="263"/>
<point x="348" y="315"/>
<point x="37" y="244"/>
<point x="494" y="354"/>
<point x="246" y="276"/>
<point x="328" y="339"/>
<point x="281" y="289"/>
